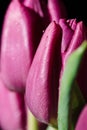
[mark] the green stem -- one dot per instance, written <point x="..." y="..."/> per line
<point x="32" y="123"/>
<point x="66" y="87"/>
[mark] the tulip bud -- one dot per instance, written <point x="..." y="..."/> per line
<point x="19" y="41"/>
<point x="82" y="120"/>
<point x="12" y="109"/>
<point x="73" y="35"/>
<point x="42" y="82"/>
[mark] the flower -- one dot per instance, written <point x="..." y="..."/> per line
<point x="74" y="33"/>
<point x="42" y="83"/>
<point x="82" y="119"/>
<point x="21" y="34"/>
<point x="38" y="47"/>
<point x="20" y="37"/>
<point x="42" y="87"/>
<point x="12" y="109"/>
<point x="18" y="44"/>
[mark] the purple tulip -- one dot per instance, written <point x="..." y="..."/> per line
<point x="12" y="109"/>
<point x="21" y="35"/>
<point x="19" y="41"/>
<point x="42" y="83"/>
<point x="73" y="35"/>
<point x="50" y="10"/>
<point x="82" y="120"/>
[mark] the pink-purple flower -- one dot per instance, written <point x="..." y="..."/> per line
<point x="36" y="41"/>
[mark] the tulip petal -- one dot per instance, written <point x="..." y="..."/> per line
<point x="79" y="36"/>
<point x="34" y="5"/>
<point x="67" y="34"/>
<point x="72" y="23"/>
<point x="42" y="83"/>
<point x="12" y="109"/>
<point x="56" y="10"/>
<point x="50" y="10"/>
<point x="82" y="120"/>
<point x="19" y="42"/>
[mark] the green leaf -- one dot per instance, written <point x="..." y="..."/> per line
<point x="66" y="86"/>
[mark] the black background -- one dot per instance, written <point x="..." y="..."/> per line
<point x="77" y="9"/>
<point x="3" y="6"/>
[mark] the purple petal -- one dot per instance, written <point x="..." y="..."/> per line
<point x="56" y="10"/>
<point x="20" y="39"/>
<point x="80" y="34"/>
<point x="72" y="23"/>
<point x="42" y="83"/>
<point x="34" y="5"/>
<point x="72" y="41"/>
<point x="82" y="121"/>
<point x="12" y="109"/>
<point x="67" y="34"/>
<point x="49" y="10"/>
